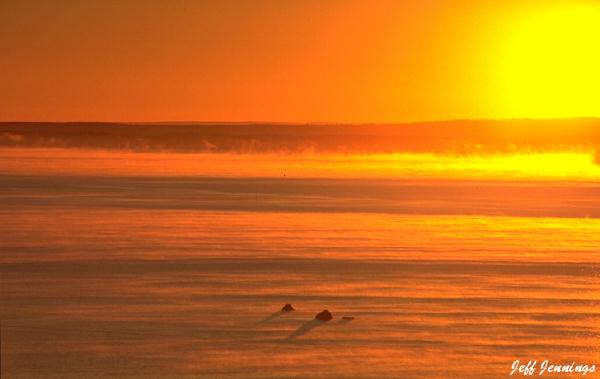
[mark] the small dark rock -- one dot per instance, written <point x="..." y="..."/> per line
<point x="287" y="308"/>
<point x="324" y="316"/>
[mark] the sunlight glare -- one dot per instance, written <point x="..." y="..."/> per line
<point x="549" y="66"/>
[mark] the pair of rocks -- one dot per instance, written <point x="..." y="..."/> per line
<point x="323" y="316"/>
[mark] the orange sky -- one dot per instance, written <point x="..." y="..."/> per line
<point x="298" y="61"/>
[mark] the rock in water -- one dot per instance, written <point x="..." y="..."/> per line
<point x="287" y="308"/>
<point x="324" y="316"/>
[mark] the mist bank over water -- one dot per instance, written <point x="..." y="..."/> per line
<point x="549" y="166"/>
<point x="463" y="136"/>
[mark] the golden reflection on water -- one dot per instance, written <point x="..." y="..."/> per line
<point x="181" y="293"/>
<point x="111" y="233"/>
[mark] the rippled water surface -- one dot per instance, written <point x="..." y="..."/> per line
<point x="171" y="277"/>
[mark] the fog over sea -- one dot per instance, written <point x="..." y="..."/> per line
<point x="147" y="260"/>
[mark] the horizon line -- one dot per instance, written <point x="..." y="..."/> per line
<point x="302" y="123"/>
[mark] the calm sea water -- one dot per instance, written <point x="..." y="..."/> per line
<point x="184" y="277"/>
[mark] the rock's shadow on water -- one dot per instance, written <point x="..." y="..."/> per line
<point x="305" y="328"/>
<point x="344" y="320"/>
<point x="269" y="318"/>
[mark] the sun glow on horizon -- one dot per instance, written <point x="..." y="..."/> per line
<point x="549" y="66"/>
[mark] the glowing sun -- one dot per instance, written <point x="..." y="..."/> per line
<point x="550" y="63"/>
